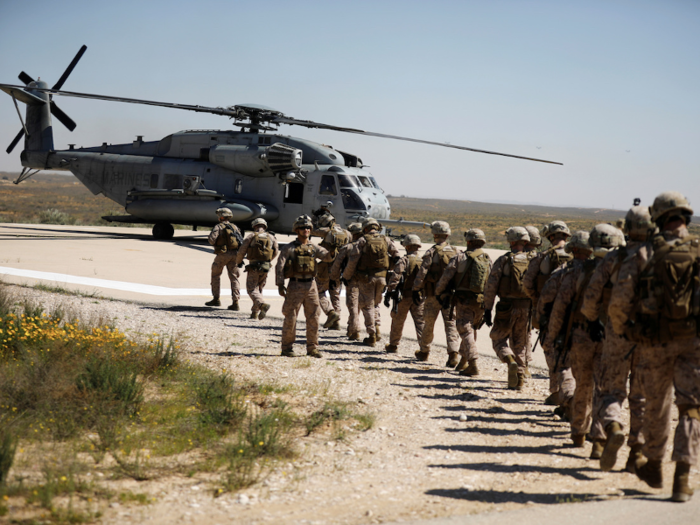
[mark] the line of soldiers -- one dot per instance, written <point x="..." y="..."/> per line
<point x="608" y="306"/>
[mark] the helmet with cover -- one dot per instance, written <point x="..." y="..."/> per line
<point x="638" y="223"/>
<point x="355" y="227"/>
<point x="579" y="241"/>
<point x="326" y="220"/>
<point x="370" y="222"/>
<point x="555" y="227"/>
<point x="303" y="221"/>
<point x="534" y="233"/>
<point x="474" y="235"/>
<point x="605" y="237"/>
<point x="670" y="204"/>
<point x="259" y="222"/>
<point x="411" y="240"/>
<point x="517" y="234"/>
<point x="440" y="228"/>
<point x="224" y="212"/>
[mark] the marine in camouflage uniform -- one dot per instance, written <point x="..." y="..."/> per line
<point x="403" y="275"/>
<point x="568" y="334"/>
<point x="297" y="261"/>
<point x="225" y="258"/>
<point x="258" y="265"/>
<point x="512" y="319"/>
<point x="532" y="249"/>
<point x="656" y="302"/>
<point x="618" y="354"/>
<point x="466" y="275"/>
<point x="334" y="237"/>
<point x="352" y="291"/>
<point x="370" y="272"/>
<point x="433" y="264"/>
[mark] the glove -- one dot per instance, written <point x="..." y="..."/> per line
<point x="344" y="281"/>
<point x="331" y="285"/>
<point x="596" y="331"/>
<point x="241" y="265"/>
<point x="417" y="297"/>
<point x="282" y="289"/>
<point x="444" y="300"/>
<point x="387" y="300"/>
<point x="487" y="318"/>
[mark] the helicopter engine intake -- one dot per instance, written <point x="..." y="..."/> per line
<point x="255" y="161"/>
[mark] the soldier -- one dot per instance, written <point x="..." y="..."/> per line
<point x="531" y="248"/>
<point x="655" y="303"/>
<point x="466" y="275"/>
<point x="401" y="281"/>
<point x="333" y="238"/>
<point x="352" y="291"/>
<point x="568" y="331"/>
<point x="226" y="238"/>
<point x="260" y="248"/>
<point x="513" y="309"/>
<point x="618" y="354"/>
<point x="434" y="262"/>
<point x="370" y="259"/>
<point x="297" y="262"/>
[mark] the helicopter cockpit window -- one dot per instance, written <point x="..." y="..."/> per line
<point x="348" y="181"/>
<point x="351" y="201"/>
<point x="328" y="185"/>
<point x="365" y="182"/>
<point x="374" y="181"/>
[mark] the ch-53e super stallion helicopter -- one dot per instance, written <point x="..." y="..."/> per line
<point x="184" y="177"/>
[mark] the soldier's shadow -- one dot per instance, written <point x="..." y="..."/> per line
<point x="495" y="496"/>
<point x="579" y="474"/>
<point x="549" y="450"/>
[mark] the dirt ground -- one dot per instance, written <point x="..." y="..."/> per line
<point x="442" y="444"/>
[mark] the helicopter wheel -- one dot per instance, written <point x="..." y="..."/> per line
<point x="163" y="231"/>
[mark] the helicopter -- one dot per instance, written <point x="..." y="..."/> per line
<point x="185" y="177"/>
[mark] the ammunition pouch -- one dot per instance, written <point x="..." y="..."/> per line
<point x="651" y="330"/>
<point x="366" y="275"/>
<point x="469" y="299"/>
<point x="503" y="310"/>
<point x="258" y="266"/>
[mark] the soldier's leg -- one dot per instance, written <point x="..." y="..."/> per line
<point x="290" y="309"/>
<point x="233" y="274"/>
<point x="597" y="429"/>
<point x="379" y="286"/>
<point x="451" y="334"/>
<point x="551" y="361"/>
<point x="500" y="333"/>
<point x="335" y="296"/>
<point x="657" y="378"/>
<point x="252" y="286"/>
<point x="581" y="355"/>
<point x="686" y="374"/>
<point x="613" y="378"/>
<point x="418" y="315"/>
<point x="520" y="319"/>
<point x="322" y="285"/>
<point x="217" y="268"/>
<point x="352" y="298"/>
<point x="366" y="304"/>
<point x="312" y="312"/>
<point x="465" y="318"/>
<point x="398" y="320"/>
<point x="637" y="402"/>
<point x="431" y="310"/>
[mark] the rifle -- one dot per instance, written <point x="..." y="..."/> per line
<point x="453" y="289"/>
<point x="397" y="296"/>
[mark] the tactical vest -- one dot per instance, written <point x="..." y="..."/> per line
<point x="511" y="284"/>
<point x="301" y="264"/>
<point x="334" y="240"/>
<point x="374" y="260"/>
<point x="411" y="272"/>
<point x="227" y="240"/>
<point x="621" y="255"/>
<point x="441" y="258"/>
<point x="552" y="259"/>
<point x="668" y="293"/>
<point x="473" y="272"/>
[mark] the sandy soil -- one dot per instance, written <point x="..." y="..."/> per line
<point x="442" y="444"/>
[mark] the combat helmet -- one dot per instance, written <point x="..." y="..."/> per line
<point x="475" y="235"/>
<point x="224" y="212"/>
<point x="440" y="228"/>
<point x="579" y="240"/>
<point x="355" y="227"/>
<point x="303" y="221"/>
<point x="370" y="222"/>
<point x="605" y="237"/>
<point x="258" y="222"/>
<point x="668" y="202"/>
<point x="326" y="220"/>
<point x="534" y="233"/>
<point x="517" y="233"/>
<point x="638" y="223"/>
<point x="411" y="240"/>
<point x="556" y="227"/>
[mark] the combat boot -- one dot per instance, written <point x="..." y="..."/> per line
<point x="391" y="349"/>
<point x="528" y="374"/>
<point x="681" y="490"/>
<point x="422" y="356"/>
<point x="314" y="353"/>
<point x="214" y="302"/>
<point x="597" y="450"/>
<point x="335" y="326"/>
<point x="578" y="440"/>
<point x="288" y="353"/>
<point x="452" y="359"/>
<point x="253" y="315"/>
<point x="354" y="336"/>
<point x="512" y="372"/>
<point x="615" y="440"/>
<point x="234" y="306"/>
<point x="377" y="334"/>
<point x="263" y="311"/>
<point x="370" y="340"/>
<point x="333" y="318"/>
<point x="521" y="381"/>
<point x="552" y="400"/>
<point x="650" y="473"/>
<point x="471" y="370"/>
<point x="635" y="455"/>
<point x="462" y="364"/>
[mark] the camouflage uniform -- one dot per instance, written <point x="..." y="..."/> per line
<point x="619" y="355"/>
<point x="352" y="295"/>
<point x="584" y="354"/>
<point x="665" y="366"/>
<point x="512" y="319"/>
<point x="301" y="291"/>
<point x="324" y="268"/>
<point x="224" y="260"/>
<point x="469" y="308"/>
<point x="406" y="304"/>
<point x="257" y="272"/>
<point x="371" y="284"/>
<point x="432" y="306"/>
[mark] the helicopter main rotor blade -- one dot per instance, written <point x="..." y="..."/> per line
<point x="310" y="124"/>
<point x="62" y="117"/>
<point x="15" y="141"/>
<point x="25" y="78"/>
<point x="70" y="68"/>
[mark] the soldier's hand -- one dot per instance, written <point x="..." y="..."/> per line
<point x="344" y="281"/>
<point x="417" y="297"/>
<point x="387" y="300"/>
<point x="487" y="318"/>
<point x="444" y="300"/>
<point x="596" y="331"/>
<point x="241" y="265"/>
<point x="282" y="289"/>
<point x="331" y="285"/>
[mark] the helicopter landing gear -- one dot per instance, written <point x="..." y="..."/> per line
<point x="163" y="231"/>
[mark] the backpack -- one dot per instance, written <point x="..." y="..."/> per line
<point x="229" y="239"/>
<point x="473" y="272"/>
<point x="411" y="272"/>
<point x="511" y="284"/>
<point x="260" y="248"/>
<point x="338" y="238"/>
<point x="374" y="259"/>
<point x="441" y="258"/>
<point x="556" y="260"/>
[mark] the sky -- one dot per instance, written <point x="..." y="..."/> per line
<point x="607" y="87"/>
